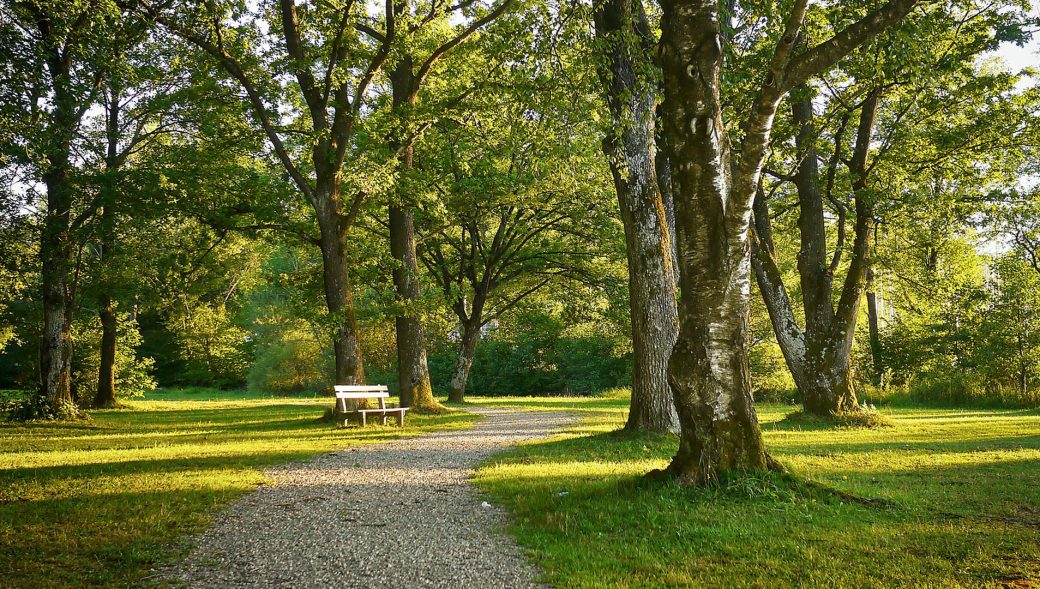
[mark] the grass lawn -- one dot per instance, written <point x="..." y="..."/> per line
<point x="959" y="491"/>
<point x="97" y="503"/>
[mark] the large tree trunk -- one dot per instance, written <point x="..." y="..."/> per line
<point x="714" y="198"/>
<point x="708" y="369"/>
<point x="55" y="240"/>
<point x="622" y="27"/>
<point x="413" y="372"/>
<point x="338" y="297"/>
<point x="56" y="340"/>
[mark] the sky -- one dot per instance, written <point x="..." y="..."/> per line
<point x="1021" y="57"/>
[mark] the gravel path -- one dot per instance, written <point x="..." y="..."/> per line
<point x="396" y="514"/>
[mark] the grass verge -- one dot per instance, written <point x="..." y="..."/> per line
<point x="97" y="503"/>
<point x="953" y="500"/>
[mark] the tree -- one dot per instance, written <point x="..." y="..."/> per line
<point x="136" y="96"/>
<point x="325" y="113"/>
<point x="513" y="198"/>
<point x="1011" y="327"/>
<point x="407" y="78"/>
<point x="819" y="356"/>
<point x="899" y="88"/>
<point x="629" y="81"/>
<point x="716" y="174"/>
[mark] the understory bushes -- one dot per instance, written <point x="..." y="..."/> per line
<point x="565" y="366"/>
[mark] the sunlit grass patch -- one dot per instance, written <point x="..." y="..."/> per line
<point x="96" y="503"/>
<point x="942" y="498"/>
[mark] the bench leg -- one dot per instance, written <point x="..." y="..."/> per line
<point x="363" y="421"/>
<point x="400" y="419"/>
<point x="384" y="420"/>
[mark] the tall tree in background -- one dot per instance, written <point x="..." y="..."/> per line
<point x="716" y="174"/>
<point x="627" y="73"/>
<point x="516" y="208"/>
<point x="135" y="95"/>
<point x="819" y="356"/>
<point x="899" y="87"/>
<point x="406" y="80"/>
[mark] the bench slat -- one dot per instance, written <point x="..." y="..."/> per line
<point x="376" y="395"/>
<point x="387" y="410"/>
<point x="345" y="388"/>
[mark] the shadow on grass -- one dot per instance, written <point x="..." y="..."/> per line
<point x="551" y="403"/>
<point x="922" y="443"/>
<point x="582" y="506"/>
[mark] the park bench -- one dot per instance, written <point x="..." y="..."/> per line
<point x="364" y="391"/>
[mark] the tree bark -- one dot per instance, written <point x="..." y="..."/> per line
<point x="708" y="368"/>
<point x="413" y="372"/>
<point x="106" y="388"/>
<point x="714" y="195"/>
<point x="338" y="297"/>
<point x="464" y="360"/>
<point x="55" y="238"/>
<point x="622" y="27"/>
<point x="874" y="329"/>
<point x="55" y="256"/>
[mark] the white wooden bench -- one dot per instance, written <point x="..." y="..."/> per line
<point x="364" y="391"/>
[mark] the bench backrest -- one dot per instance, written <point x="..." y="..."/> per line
<point x="361" y="391"/>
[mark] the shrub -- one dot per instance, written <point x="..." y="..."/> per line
<point x="33" y="407"/>
<point x="291" y="364"/>
<point x="133" y="373"/>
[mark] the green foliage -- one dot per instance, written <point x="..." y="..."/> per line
<point x="133" y="372"/>
<point x="295" y="362"/>
<point x="212" y="347"/>
<point x="771" y="382"/>
<point x="529" y="367"/>
<point x="30" y="406"/>
<point x="963" y="340"/>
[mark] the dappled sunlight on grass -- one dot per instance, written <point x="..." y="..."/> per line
<point x="957" y="495"/>
<point x="97" y="502"/>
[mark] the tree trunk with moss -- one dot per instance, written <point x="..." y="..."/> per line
<point x="627" y="76"/>
<point x="55" y="235"/>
